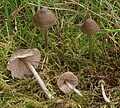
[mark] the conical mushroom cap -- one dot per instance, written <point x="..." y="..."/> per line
<point x="67" y="76"/>
<point x="44" y="18"/>
<point x="90" y="27"/>
<point x="17" y="65"/>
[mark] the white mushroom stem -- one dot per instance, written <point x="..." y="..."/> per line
<point x="40" y="81"/>
<point x="103" y="93"/>
<point x="73" y="88"/>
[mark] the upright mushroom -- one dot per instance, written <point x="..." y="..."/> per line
<point x="90" y="27"/>
<point x="23" y="62"/>
<point x="67" y="82"/>
<point x="44" y="18"/>
<point x="102" y="84"/>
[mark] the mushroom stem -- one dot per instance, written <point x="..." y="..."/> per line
<point x="40" y="81"/>
<point x="73" y="88"/>
<point x="90" y="47"/>
<point x="103" y="93"/>
<point x="46" y="39"/>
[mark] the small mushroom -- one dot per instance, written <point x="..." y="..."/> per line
<point x="90" y="27"/>
<point x="67" y="82"/>
<point x="44" y="18"/>
<point x="102" y="84"/>
<point x="23" y="62"/>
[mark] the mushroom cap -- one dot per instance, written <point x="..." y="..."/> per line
<point x="90" y="27"/>
<point x="101" y="82"/>
<point x="67" y="76"/>
<point x="17" y="65"/>
<point x="44" y="18"/>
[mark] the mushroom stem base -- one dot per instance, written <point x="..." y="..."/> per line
<point x="73" y="88"/>
<point x="40" y="81"/>
<point x="104" y="95"/>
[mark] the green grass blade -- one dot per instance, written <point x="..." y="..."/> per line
<point x="32" y="8"/>
<point x="109" y="30"/>
<point x="7" y="14"/>
<point x="38" y="4"/>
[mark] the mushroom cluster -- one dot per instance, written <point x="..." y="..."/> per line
<point x="24" y="61"/>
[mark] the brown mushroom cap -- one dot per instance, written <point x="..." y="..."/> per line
<point x="67" y="76"/>
<point x="44" y="18"/>
<point x="17" y="65"/>
<point x="90" y="27"/>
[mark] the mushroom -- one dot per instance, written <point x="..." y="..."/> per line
<point x="23" y="62"/>
<point x="67" y="82"/>
<point x="90" y="27"/>
<point x="44" y="18"/>
<point x="102" y="84"/>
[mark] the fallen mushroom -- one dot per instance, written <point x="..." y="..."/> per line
<point x="67" y="82"/>
<point x="44" y="18"/>
<point x="23" y="62"/>
<point x="90" y="27"/>
<point x="102" y="83"/>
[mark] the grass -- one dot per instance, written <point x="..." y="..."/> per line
<point x="68" y="51"/>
